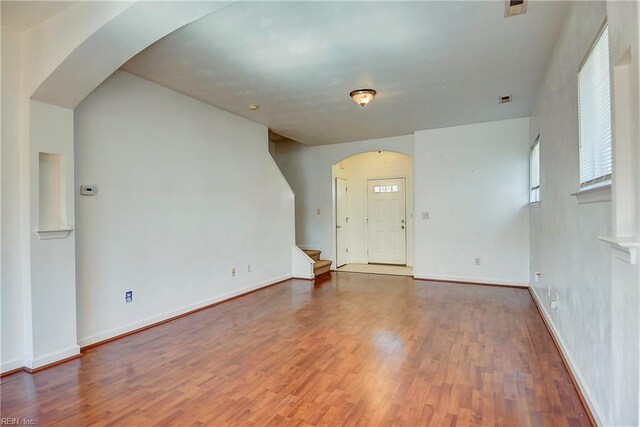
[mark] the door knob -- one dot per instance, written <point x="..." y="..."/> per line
<point x="403" y="227"/>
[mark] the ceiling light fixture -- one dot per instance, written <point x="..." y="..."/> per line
<point x="253" y="107"/>
<point x="362" y="96"/>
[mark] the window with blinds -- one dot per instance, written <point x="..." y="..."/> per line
<point x="594" y="109"/>
<point x="534" y="172"/>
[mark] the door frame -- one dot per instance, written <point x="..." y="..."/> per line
<point x="406" y="221"/>
<point x="335" y="216"/>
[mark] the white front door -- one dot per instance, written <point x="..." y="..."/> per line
<point x="342" y="250"/>
<point x="387" y="234"/>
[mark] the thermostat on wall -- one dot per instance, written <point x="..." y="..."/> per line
<point x="88" y="190"/>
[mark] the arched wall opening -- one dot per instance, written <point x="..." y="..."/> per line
<point x="365" y="177"/>
<point x="57" y="64"/>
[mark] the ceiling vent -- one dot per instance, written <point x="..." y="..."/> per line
<point x="504" y="99"/>
<point x="515" y="7"/>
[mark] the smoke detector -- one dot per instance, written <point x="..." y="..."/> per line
<point x="504" y="99"/>
<point x="515" y="7"/>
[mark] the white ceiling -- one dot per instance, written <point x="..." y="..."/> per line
<point x="24" y="15"/>
<point x="434" y="64"/>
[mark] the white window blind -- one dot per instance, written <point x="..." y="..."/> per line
<point x="594" y="108"/>
<point x="534" y="172"/>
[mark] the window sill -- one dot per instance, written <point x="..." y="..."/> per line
<point x="594" y="194"/>
<point x="625" y="248"/>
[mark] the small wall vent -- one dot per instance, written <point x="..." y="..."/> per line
<point x="515" y="7"/>
<point x="505" y="99"/>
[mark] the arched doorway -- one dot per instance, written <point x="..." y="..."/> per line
<point x="373" y="212"/>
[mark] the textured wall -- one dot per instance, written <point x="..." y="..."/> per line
<point x="564" y="234"/>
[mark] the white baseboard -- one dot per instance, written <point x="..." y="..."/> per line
<point x="303" y="276"/>
<point x="173" y="313"/>
<point x="479" y="280"/>
<point x="56" y="356"/>
<point x="584" y="388"/>
<point x="10" y="365"/>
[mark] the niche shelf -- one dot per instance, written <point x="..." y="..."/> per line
<point x="53" y="234"/>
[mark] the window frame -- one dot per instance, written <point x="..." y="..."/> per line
<point x="383" y="188"/>
<point x="606" y="179"/>
<point x="532" y="188"/>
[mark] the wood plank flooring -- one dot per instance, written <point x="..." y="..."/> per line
<point x="352" y="349"/>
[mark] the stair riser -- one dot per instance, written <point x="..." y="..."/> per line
<point x="313" y="254"/>
<point x="322" y="270"/>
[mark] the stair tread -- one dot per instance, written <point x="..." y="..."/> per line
<point x="311" y="252"/>
<point x="321" y="263"/>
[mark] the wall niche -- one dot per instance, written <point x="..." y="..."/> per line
<point x="52" y="221"/>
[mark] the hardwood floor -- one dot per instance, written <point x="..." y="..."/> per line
<point x="353" y="349"/>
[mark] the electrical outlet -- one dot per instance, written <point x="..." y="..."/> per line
<point x="248" y="268"/>
<point x="476" y="261"/>
<point x="128" y="297"/>
<point x="548" y="291"/>
<point x="536" y="276"/>
<point x="88" y="190"/>
<point x="425" y="215"/>
<point x="233" y="272"/>
<point x="554" y="303"/>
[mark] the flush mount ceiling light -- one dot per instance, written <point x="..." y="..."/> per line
<point x="362" y="96"/>
<point x="254" y="107"/>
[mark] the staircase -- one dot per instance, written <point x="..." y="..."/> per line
<point x="321" y="266"/>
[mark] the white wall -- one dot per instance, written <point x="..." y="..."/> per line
<point x="356" y="170"/>
<point x="473" y="182"/>
<point x="186" y="192"/>
<point x="51" y="59"/>
<point x="309" y="172"/>
<point x="597" y="317"/>
<point x="11" y="267"/>
<point x="624" y="45"/>
<point x="453" y="169"/>
<point x="52" y="261"/>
